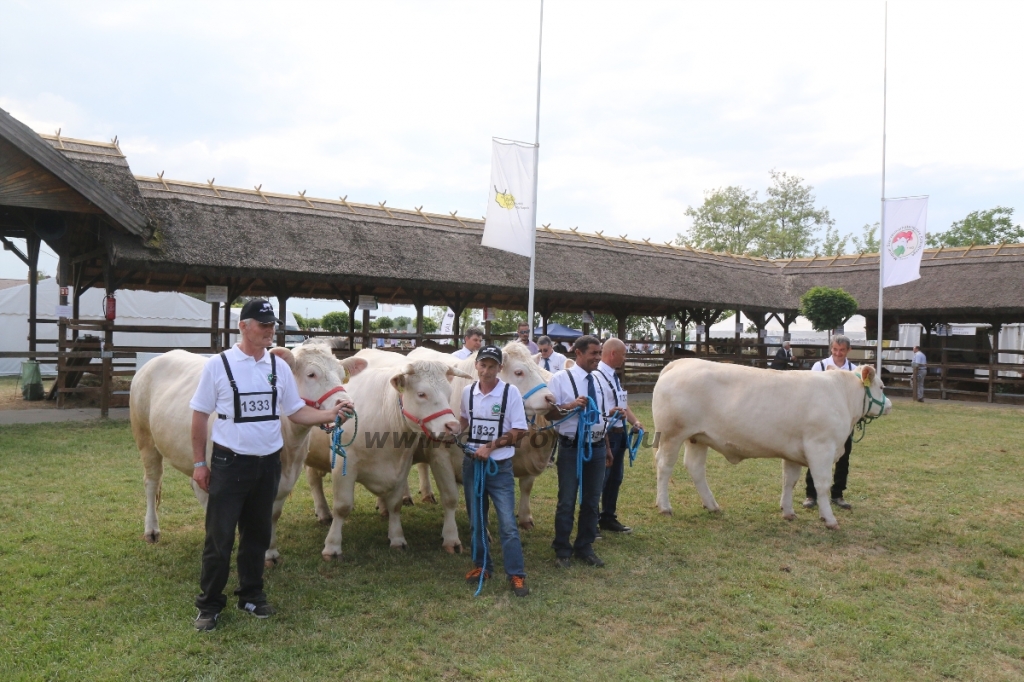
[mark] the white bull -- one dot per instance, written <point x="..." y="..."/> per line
<point x="397" y="407"/>
<point x="803" y="418"/>
<point x="161" y="421"/>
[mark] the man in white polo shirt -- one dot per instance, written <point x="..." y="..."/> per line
<point x="547" y="357"/>
<point x="473" y="339"/>
<point x="572" y="388"/>
<point x="494" y="417"/>
<point x="919" y="372"/>
<point x="618" y="416"/>
<point x="837" y="360"/>
<point x="250" y="389"/>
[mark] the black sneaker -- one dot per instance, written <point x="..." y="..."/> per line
<point x="518" y="585"/>
<point x="591" y="559"/>
<point x="563" y="562"/>
<point x="258" y="610"/>
<point x="841" y="503"/>
<point x="614" y="526"/>
<point x="206" y="621"/>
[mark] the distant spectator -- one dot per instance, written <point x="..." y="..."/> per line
<point x="473" y="339"/>
<point x="784" y="357"/>
<point x="524" y="338"/>
<point x="547" y="357"/>
<point x="919" y="370"/>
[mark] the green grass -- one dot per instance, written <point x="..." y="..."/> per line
<point x="923" y="581"/>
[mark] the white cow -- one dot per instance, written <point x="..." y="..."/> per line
<point x="397" y="407"/>
<point x="162" y="420"/>
<point x="803" y="418"/>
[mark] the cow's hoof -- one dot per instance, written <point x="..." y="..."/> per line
<point x="331" y="555"/>
<point x="665" y="512"/>
<point x="324" y="520"/>
<point x="400" y="546"/>
<point x="716" y="510"/>
<point x="429" y="499"/>
<point x="526" y="525"/>
<point x="789" y="517"/>
<point x="453" y="549"/>
<point x="384" y="513"/>
<point x="831" y="526"/>
<point x="152" y="537"/>
<point x="407" y="502"/>
<point x="272" y="561"/>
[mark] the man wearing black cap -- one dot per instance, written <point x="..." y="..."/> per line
<point x="250" y="389"/>
<point x="494" y="418"/>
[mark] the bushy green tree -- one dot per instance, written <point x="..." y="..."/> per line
<point x="728" y="220"/>
<point x="869" y="241"/>
<point x="831" y="244"/>
<point x="308" y="323"/>
<point x="385" y="323"/>
<point x="337" y="322"/>
<point x="994" y="226"/>
<point x="402" y="323"/>
<point x="790" y="217"/>
<point x="827" y="308"/>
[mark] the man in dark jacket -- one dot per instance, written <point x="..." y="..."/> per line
<point x="783" y="358"/>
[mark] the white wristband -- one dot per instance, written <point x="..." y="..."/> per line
<point x="196" y="465"/>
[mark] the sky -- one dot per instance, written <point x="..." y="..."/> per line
<point x="644" y="105"/>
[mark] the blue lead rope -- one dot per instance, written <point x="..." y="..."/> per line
<point x="633" y="440"/>
<point x="482" y="468"/>
<point x="588" y="417"/>
<point x="337" y="447"/>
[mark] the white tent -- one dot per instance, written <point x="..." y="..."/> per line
<point x="138" y="308"/>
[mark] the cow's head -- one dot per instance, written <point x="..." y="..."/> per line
<point x="424" y="391"/>
<point x="318" y="374"/>
<point x="519" y="369"/>
<point x="873" y="384"/>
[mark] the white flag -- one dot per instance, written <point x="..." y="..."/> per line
<point x="509" y="224"/>
<point x="903" y="240"/>
<point x="448" y="322"/>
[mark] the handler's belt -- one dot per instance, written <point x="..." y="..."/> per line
<point x="221" y="448"/>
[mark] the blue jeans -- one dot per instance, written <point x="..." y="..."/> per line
<point x="613" y="475"/>
<point x="501" y="490"/>
<point x="568" y="489"/>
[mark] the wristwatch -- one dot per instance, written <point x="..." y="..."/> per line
<point x="196" y="465"/>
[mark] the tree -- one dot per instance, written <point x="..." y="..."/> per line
<point x="385" y="323"/>
<point x="728" y="220"/>
<point x="337" y="322"/>
<point x="402" y="323"/>
<point x="429" y="325"/>
<point x="311" y="323"/>
<point x="831" y="244"/>
<point x="790" y="218"/>
<point x="994" y="226"/>
<point x="870" y="242"/>
<point x="827" y="308"/>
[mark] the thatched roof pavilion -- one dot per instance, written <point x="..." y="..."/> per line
<point x="160" y="234"/>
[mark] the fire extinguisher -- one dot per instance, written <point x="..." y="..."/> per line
<point x="109" y="307"/>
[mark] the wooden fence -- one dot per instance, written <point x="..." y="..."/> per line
<point x="964" y="374"/>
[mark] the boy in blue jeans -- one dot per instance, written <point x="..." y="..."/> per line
<point x="493" y="414"/>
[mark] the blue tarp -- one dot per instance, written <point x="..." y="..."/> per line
<point x="558" y="332"/>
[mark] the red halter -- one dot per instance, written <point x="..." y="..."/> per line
<point x="422" y="423"/>
<point x="325" y="396"/>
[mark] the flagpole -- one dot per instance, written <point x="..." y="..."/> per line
<point x="881" y="236"/>
<point x="536" y="172"/>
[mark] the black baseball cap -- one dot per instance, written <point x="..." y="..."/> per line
<point x="259" y="310"/>
<point x="492" y="352"/>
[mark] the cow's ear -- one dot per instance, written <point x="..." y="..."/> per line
<point x="569" y="364"/>
<point x="285" y="355"/>
<point x="456" y="372"/>
<point x="398" y="381"/>
<point x="353" y="366"/>
<point x="867" y="374"/>
<point x="830" y="368"/>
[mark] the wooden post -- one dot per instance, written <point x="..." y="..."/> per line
<point x="227" y="323"/>
<point x="282" y="299"/>
<point x="214" y="327"/>
<point x="586" y="328"/>
<point x="107" y="364"/>
<point x="942" y="368"/>
<point x="419" y="323"/>
<point x="487" y="332"/>
<point x="352" y="306"/>
<point x="621" y="331"/>
<point x="366" y="328"/>
<point x="993" y="360"/>
<point x="32" y="241"/>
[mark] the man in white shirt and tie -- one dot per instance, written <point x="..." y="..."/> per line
<point x="919" y="370"/>
<point x="617" y="415"/>
<point x="547" y="357"/>
<point x="474" y="338"/>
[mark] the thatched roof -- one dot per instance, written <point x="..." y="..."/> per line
<point x="32" y="154"/>
<point x="265" y="243"/>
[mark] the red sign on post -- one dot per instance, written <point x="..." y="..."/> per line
<point x="63" y="291"/>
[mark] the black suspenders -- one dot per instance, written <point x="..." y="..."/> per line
<point x="238" y="419"/>
<point x="501" y="417"/>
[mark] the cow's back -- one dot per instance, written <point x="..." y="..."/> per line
<point x="159" y="402"/>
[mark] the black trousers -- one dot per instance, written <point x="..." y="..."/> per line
<point x="568" y="491"/>
<point x="242" y="492"/>
<point x="613" y="474"/>
<point x="839" y="478"/>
